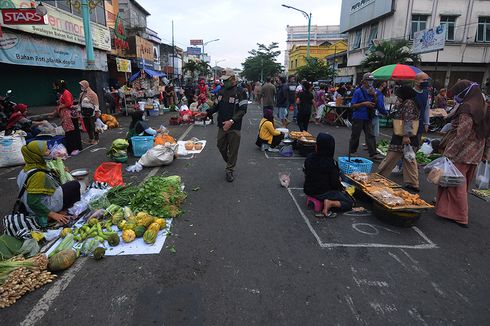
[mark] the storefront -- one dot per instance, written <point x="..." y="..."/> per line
<point x="34" y="57"/>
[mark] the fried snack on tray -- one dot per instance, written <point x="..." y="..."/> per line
<point x="395" y="197"/>
<point x="300" y="134"/>
<point x="371" y="179"/>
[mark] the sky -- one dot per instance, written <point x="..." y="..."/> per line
<point x="239" y="25"/>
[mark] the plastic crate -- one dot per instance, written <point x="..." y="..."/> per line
<point x="154" y="113"/>
<point x="356" y="164"/>
<point x="141" y="144"/>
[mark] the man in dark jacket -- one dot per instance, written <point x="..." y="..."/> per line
<point x="282" y="101"/>
<point x="231" y="106"/>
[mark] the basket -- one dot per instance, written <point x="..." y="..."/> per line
<point x="141" y="144"/>
<point x="154" y="113"/>
<point x="356" y="164"/>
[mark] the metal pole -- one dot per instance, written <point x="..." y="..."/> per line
<point x="261" y="70"/>
<point x="435" y="75"/>
<point x="308" y="46"/>
<point x="89" y="47"/>
<point x="173" y="51"/>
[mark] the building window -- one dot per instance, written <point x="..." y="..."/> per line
<point x="356" y="44"/>
<point x="483" y="31"/>
<point x="450" y="22"/>
<point x="373" y="33"/>
<point x="291" y="66"/>
<point x="296" y="61"/>
<point x="419" y="23"/>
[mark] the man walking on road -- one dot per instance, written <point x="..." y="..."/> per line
<point x="422" y="100"/>
<point x="282" y="101"/>
<point x="363" y="106"/>
<point x="268" y="95"/>
<point x="231" y="106"/>
<point x="292" y="96"/>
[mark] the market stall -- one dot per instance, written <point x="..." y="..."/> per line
<point x="145" y="89"/>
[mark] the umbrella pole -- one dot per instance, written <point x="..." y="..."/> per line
<point x="435" y="75"/>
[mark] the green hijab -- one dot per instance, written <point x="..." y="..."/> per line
<point x="39" y="183"/>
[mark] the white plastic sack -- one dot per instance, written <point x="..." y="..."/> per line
<point x="159" y="155"/>
<point x="444" y="173"/>
<point x="10" y="153"/>
<point x="426" y="149"/>
<point x="483" y="175"/>
<point x="135" y="168"/>
<point x="408" y="153"/>
<point x="100" y="126"/>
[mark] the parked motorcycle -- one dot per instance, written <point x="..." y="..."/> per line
<point x="6" y="109"/>
<point x="438" y="120"/>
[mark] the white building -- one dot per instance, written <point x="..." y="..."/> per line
<point x="298" y="35"/>
<point x="465" y="55"/>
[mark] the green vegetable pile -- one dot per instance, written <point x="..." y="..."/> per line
<point x="159" y="196"/>
<point x="383" y="146"/>
<point x="121" y="195"/>
<point x="422" y="159"/>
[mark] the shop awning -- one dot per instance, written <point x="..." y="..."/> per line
<point x="149" y="72"/>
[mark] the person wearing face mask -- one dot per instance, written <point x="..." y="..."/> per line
<point x="467" y="144"/>
<point x="89" y="106"/>
<point x="231" y="106"/>
<point x="422" y="100"/>
<point x="44" y="197"/>
<point x="363" y="105"/>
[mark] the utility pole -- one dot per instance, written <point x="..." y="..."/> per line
<point x="308" y="16"/>
<point x="173" y="51"/>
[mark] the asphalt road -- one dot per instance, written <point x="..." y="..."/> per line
<point x="250" y="253"/>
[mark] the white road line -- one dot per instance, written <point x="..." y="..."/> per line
<point x="416" y="229"/>
<point x="353" y="309"/>
<point x="44" y="304"/>
<point x="283" y="158"/>
<point x="395" y="257"/>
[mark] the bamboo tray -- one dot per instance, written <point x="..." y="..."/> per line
<point x="400" y="207"/>
<point x="389" y="183"/>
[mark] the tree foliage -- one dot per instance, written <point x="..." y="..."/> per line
<point x="196" y="66"/>
<point x="262" y="62"/>
<point x="390" y="52"/>
<point x="315" y="69"/>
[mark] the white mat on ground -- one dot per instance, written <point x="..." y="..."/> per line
<point x="137" y="247"/>
<point x="182" y="147"/>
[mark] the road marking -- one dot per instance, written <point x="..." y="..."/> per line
<point x="428" y="245"/>
<point x="353" y="309"/>
<point x="463" y="297"/>
<point x="438" y="289"/>
<point x="282" y="158"/>
<point x="44" y="304"/>
<point x="395" y="257"/>
<point x="416" y="315"/>
<point x="383" y="308"/>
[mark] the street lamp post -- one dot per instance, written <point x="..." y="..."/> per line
<point x="206" y="43"/>
<point x="308" y="16"/>
<point x="89" y="46"/>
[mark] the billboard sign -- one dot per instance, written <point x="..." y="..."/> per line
<point x="355" y="13"/>
<point x="123" y="65"/>
<point x="22" y="17"/>
<point x="429" y="40"/>
<point x="196" y="42"/>
<point x="193" y="51"/>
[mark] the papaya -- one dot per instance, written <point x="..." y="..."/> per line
<point x="154" y="226"/>
<point x="128" y="236"/>
<point x="150" y="236"/>
<point x="139" y="231"/>
<point x="162" y="222"/>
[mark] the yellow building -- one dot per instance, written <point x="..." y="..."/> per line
<point x="297" y="54"/>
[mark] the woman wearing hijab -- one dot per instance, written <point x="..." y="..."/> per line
<point x="89" y="106"/>
<point x="405" y="109"/>
<point x="468" y="144"/>
<point x="44" y="196"/>
<point x="268" y="134"/>
<point x="69" y="119"/>
<point x="19" y="121"/>
<point x="305" y="103"/>
<point x="322" y="177"/>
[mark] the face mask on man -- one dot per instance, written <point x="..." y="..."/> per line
<point x="227" y="83"/>
<point x="424" y="84"/>
<point x="370" y="83"/>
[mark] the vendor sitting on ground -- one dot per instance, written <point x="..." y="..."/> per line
<point x="269" y="136"/>
<point x="139" y="126"/>
<point x="322" y="177"/>
<point x="18" y="120"/>
<point x="45" y="197"/>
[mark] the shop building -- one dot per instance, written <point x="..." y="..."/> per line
<point x="466" y="54"/>
<point x="297" y="55"/>
<point x="34" y="57"/>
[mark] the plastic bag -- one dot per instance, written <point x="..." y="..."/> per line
<point x="89" y="196"/>
<point x="59" y="167"/>
<point x="408" y="153"/>
<point x="426" y="149"/>
<point x="286" y="151"/>
<point x="10" y="153"/>
<point x="109" y="172"/>
<point x="483" y="175"/>
<point x="444" y="173"/>
<point x="59" y="151"/>
<point x="284" y="179"/>
<point x="100" y="126"/>
<point x="135" y="168"/>
<point x="159" y="155"/>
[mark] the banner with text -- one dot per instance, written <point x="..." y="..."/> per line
<point x="64" y="26"/>
<point x="24" y="49"/>
<point x="123" y="65"/>
<point x="429" y="40"/>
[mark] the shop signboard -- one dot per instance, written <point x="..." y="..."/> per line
<point x="196" y="42"/>
<point x="144" y="48"/>
<point x="193" y="51"/>
<point x="24" y="49"/>
<point x="64" y="26"/>
<point x="123" y="65"/>
<point x="22" y="16"/>
<point x="429" y="40"/>
<point x="120" y="34"/>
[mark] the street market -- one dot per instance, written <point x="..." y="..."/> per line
<point x="150" y="187"/>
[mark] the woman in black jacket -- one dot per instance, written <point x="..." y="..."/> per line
<point x="322" y="177"/>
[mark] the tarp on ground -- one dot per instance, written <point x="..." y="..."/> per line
<point x="150" y="73"/>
